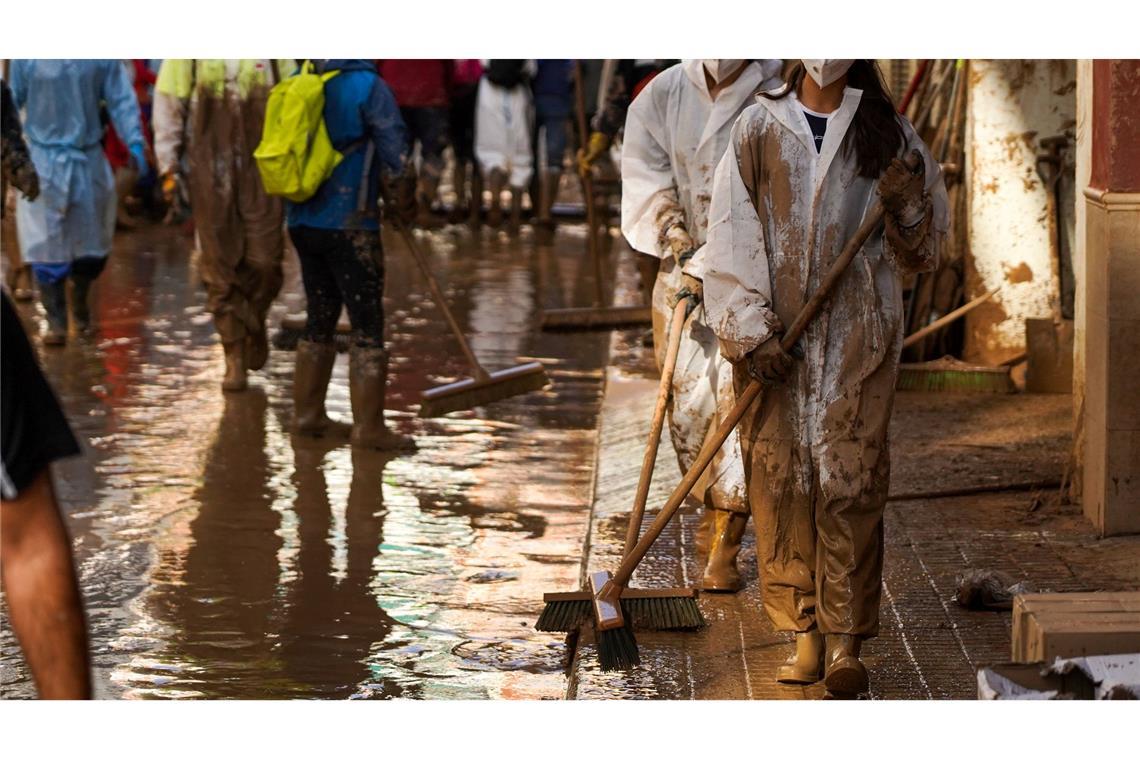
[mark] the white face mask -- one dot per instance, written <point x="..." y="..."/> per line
<point x="824" y="71"/>
<point x="721" y="68"/>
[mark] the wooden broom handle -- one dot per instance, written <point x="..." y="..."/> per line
<point x="587" y="183"/>
<point x="413" y="247"/>
<point x="752" y="391"/>
<point x="664" y="388"/>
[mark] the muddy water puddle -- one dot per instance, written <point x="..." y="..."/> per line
<point x="220" y="558"/>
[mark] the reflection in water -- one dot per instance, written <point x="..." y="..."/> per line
<point x="220" y="559"/>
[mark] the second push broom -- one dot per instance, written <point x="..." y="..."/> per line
<point x="483" y="387"/>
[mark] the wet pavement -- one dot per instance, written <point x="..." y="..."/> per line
<point x="221" y="559"/>
<point x="928" y="647"/>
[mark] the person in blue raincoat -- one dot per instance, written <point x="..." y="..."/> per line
<point x="65" y="233"/>
<point x="337" y="237"/>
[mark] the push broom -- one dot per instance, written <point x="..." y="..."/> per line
<point x="597" y="316"/>
<point x="657" y="609"/>
<point x="617" y="648"/>
<point x="483" y="387"/>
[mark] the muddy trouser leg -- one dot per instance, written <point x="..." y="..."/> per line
<point x="322" y="290"/>
<point x="259" y="272"/>
<point x="781" y="509"/>
<point x="354" y="258"/>
<point x="84" y="271"/>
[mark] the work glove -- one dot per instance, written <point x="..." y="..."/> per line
<point x="25" y="179"/>
<point x="903" y="193"/>
<point x="692" y="289"/>
<point x="400" y="199"/>
<point x="139" y="162"/>
<point x="598" y="144"/>
<point x="170" y="185"/>
<point x="769" y="362"/>
<point x="679" y="244"/>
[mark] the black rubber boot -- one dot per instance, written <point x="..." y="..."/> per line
<point x="53" y="296"/>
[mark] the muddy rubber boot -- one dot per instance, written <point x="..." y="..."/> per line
<point x="846" y="676"/>
<point x="234" y="379"/>
<point x="459" y="185"/>
<point x="516" y="210"/>
<point x="367" y="387"/>
<point x="81" y="303"/>
<point x="495" y="213"/>
<point x="806" y="664"/>
<point x="475" y="212"/>
<point x="702" y="537"/>
<point x="22" y="288"/>
<point x="721" y="573"/>
<point x="54" y="298"/>
<point x="257" y="349"/>
<point x="544" y="224"/>
<point x="310" y="384"/>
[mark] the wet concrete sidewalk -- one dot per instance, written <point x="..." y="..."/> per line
<point x="928" y="647"/>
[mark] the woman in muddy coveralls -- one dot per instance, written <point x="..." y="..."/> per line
<point x="803" y="167"/>
<point x="214" y="110"/>
<point x="676" y="131"/>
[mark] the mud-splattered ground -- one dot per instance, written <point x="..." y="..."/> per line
<point x="219" y="558"/>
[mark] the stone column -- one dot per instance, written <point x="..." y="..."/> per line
<point x="1111" y="308"/>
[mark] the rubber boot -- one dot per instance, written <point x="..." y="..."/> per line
<point x="367" y="387"/>
<point x="516" y="210"/>
<point x="548" y="192"/>
<point x="475" y="217"/>
<point x="257" y="349"/>
<point x="459" y="184"/>
<point x="310" y="384"/>
<point x="702" y="538"/>
<point x="81" y="303"/>
<point x="806" y="665"/>
<point x="23" y="290"/>
<point x="54" y="298"/>
<point x="845" y="675"/>
<point x="425" y="196"/>
<point x="721" y="573"/>
<point x="234" y="379"/>
<point x="496" y="181"/>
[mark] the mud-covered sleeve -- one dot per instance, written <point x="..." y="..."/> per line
<point x="916" y="247"/>
<point x="650" y="204"/>
<point x="386" y="127"/>
<point x="734" y="259"/>
<point x="122" y="104"/>
<point x="168" y="117"/>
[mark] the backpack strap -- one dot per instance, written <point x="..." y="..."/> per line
<point x="276" y="71"/>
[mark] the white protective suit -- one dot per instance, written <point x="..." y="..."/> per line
<point x="502" y="128"/>
<point x="675" y="135"/>
<point x="816" y="446"/>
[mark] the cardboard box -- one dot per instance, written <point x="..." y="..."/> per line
<point x="1047" y="626"/>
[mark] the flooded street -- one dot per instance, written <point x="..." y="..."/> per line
<point x="220" y="558"/>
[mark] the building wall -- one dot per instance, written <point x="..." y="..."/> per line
<point x="1011" y="105"/>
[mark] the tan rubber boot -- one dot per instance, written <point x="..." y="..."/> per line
<point x="257" y="349"/>
<point x="846" y="676"/>
<point x="721" y="573"/>
<point x="234" y="379"/>
<point x="702" y="537"/>
<point x="310" y="384"/>
<point x="806" y="665"/>
<point x="368" y="386"/>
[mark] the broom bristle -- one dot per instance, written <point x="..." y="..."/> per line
<point x="950" y="375"/>
<point x="467" y="394"/>
<point x="617" y="649"/>
<point x="656" y="613"/>
<point x="564" y="616"/>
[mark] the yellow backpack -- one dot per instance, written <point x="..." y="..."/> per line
<point x="295" y="155"/>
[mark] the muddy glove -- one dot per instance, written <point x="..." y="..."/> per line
<point x="769" y="362"/>
<point x="400" y="199"/>
<point x="692" y="289"/>
<point x="679" y="244"/>
<point x="24" y="178"/>
<point x="903" y="193"/>
<point x="171" y="184"/>
<point x="598" y="144"/>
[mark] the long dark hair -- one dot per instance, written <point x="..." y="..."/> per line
<point x="876" y="134"/>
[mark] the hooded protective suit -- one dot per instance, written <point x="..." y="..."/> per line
<point x="675" y="134"/>
<point x="214" y="110"/>
<point x="74" y="216"/>
<point x="815" y="447"/>
<point x="503" y="126"/>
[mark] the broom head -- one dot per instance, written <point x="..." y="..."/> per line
<point x="596" y="318"/>
<point x="657" y="609"/>
<point x="472" y="392"/>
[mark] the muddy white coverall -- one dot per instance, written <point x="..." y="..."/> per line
<point x="214" y="109"/>
<point x="503" y="126"/>
<point x="816" y="447"/>
<point x="675" y="135"/>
